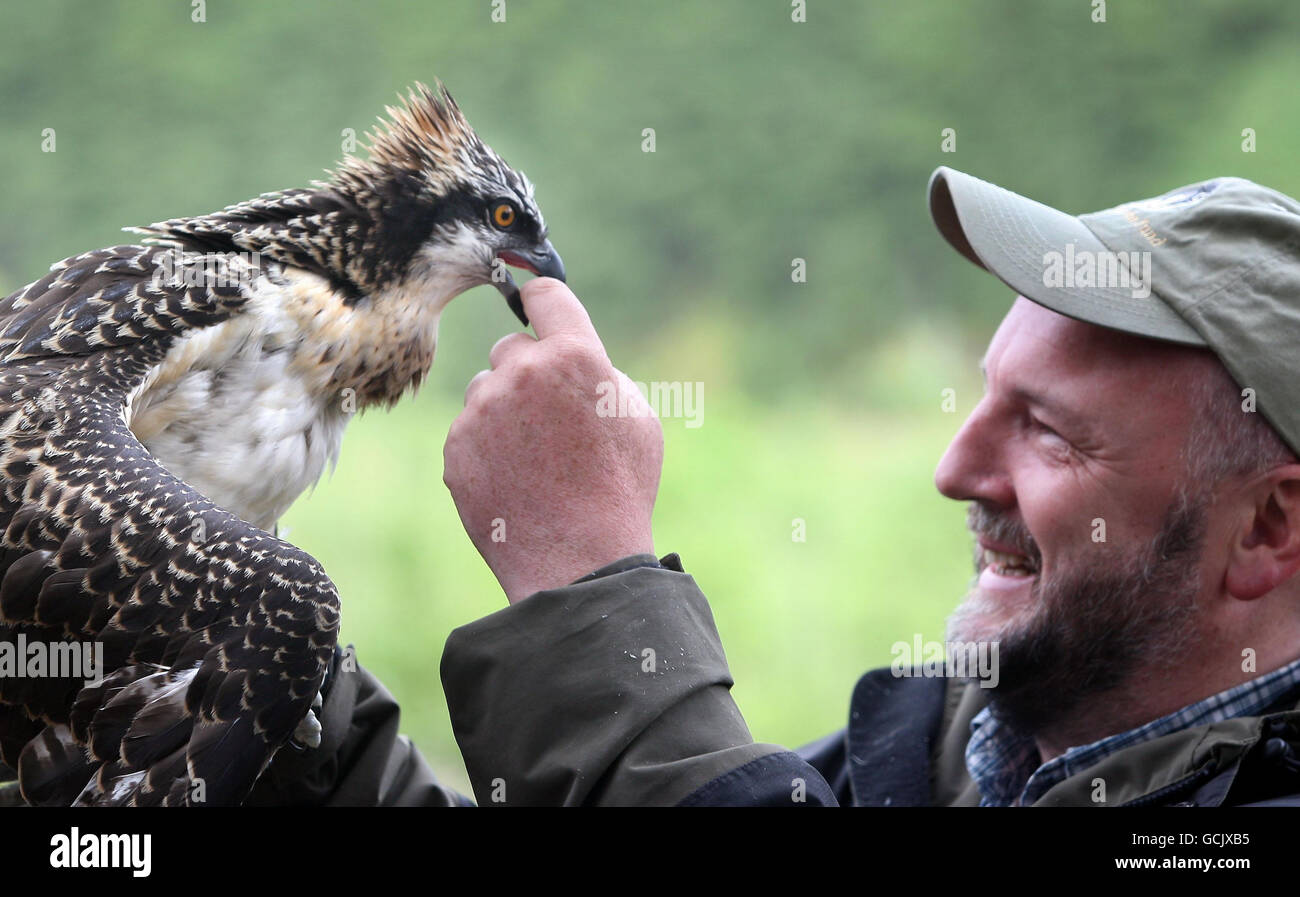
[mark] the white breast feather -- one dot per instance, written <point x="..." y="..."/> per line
<point x="250" y="411"/>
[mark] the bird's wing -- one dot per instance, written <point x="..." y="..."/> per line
<point x="215" y="636"/>
<point x="318" y="230"/>
<point x="113" y="297"/>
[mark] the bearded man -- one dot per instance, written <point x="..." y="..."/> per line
<point x="1134" y="493"/>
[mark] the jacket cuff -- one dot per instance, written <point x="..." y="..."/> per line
<point x="612" y="690"/>
<point x="632" y="561"/>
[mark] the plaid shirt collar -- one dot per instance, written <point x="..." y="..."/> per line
<point x="1005" y="767"/>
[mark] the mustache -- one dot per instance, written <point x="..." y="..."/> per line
<point x="1003" y="528"/>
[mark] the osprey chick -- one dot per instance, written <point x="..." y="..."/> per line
<point x="162" y="405"/>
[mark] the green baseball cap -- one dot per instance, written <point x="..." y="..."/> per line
<point x="1214" y="264"/>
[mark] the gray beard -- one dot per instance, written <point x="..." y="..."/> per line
<point x="1096" y="626"/>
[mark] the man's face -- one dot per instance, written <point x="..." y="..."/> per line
<point x="1087" y="544"/>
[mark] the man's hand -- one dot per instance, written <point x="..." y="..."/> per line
<point x="548" y="489"/>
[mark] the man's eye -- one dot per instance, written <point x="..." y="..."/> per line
<point x="1041" y="427"/>
<point x="1054" y="442"/>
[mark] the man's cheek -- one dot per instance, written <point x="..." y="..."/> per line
<point x="1069" y="529"/>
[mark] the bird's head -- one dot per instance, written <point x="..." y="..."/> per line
<point x="443" y="207"/>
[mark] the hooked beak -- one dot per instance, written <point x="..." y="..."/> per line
<point x="541" y="260"/>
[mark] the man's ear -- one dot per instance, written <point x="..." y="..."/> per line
<point x="1266" y="551"/>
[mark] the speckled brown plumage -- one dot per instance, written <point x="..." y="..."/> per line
<point x="101" y="543"/>
<point x="216" y="634"/>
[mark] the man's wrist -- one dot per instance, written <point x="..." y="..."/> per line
<point x="560" y="569"/>
<point x="631" y="562"/>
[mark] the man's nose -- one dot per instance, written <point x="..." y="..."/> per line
<point x="973" y="467"/>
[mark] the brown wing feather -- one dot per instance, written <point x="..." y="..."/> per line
<point x="217" y="634"/>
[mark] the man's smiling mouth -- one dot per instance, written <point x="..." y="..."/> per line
<point x="1005" y="564"/>
<point x="1003" y="560"/>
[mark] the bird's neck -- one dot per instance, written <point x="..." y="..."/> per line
<point x="365" y="352"/>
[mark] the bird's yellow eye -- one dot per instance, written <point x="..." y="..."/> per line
<point x="503" y="215"/>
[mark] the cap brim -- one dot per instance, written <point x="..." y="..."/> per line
<point x="1011" y="236"/>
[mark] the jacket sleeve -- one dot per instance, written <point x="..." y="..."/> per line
<point x="362" y="761"/>
<point x="611" y="691"/>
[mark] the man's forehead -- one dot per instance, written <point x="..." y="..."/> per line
<point x="1035" y="338"/>
<point x="1091" y="378"/>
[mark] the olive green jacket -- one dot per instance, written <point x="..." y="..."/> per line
<point x="615" y="690"/>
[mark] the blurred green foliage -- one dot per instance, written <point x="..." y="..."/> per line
<point x="774" y="141"/>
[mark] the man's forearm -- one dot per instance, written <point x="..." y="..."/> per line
<point x="614" y="690"/>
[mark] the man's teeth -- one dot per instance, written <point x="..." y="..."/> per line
<point x="1008" y="564"/>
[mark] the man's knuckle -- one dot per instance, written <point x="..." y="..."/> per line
<point x="526" y="369"/>
<point x="507" y="346"/>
